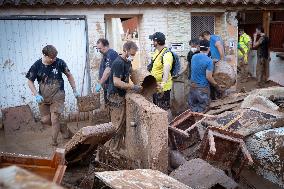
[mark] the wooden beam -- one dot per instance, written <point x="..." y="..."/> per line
<point x="266" y="22"/>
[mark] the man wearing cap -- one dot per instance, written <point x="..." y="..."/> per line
<point x="162" y="65"/>
<point x="201" y="77"/>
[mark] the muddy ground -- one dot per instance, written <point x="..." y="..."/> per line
<point x="34" y="142"/>
<point x="246" y="84"/>
<point x="38" y="142"/>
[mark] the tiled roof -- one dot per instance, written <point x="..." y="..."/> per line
<point x="143" y="2"/>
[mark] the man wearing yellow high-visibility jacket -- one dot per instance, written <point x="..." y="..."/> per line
<point x="244" y="46"/>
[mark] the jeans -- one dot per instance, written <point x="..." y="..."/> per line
<point x="198" y="99"/>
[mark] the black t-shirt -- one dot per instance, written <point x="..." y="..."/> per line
<point x="106" y="61"/>
<point x="120" y="68"/>
<point x="262" y="50"/>
<point x="48" y="74"/>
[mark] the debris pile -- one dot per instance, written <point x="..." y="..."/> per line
<point x="196" y="150"/>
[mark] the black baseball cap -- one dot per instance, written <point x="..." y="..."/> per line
<point x="204" y="44"/>
<point x="158" y="36"/>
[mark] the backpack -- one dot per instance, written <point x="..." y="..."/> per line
<point x="175" y="71"/>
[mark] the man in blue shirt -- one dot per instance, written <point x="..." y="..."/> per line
<point x="109" y="55"/>
<point x="216" y="46"/>
<point x="201" y="78"/>
<point x="217" y="55"/>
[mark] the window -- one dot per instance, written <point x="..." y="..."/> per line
<point x="200" y="24"/>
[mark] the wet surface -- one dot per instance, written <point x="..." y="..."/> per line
<point x="197" y="173"/>
<point x="139" y="178"/>
<point x="36" y="143"/>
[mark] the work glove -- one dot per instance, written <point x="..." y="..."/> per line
<point x="98" y="87"/>
<point x="76" y="94"/>
<point x="39" y="98"/>
<point x="137" y="88"/>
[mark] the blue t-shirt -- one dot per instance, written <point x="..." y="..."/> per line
<point x="213" y="49"/>
<point x="199" y="64"/>
<point x="107" y="60"/>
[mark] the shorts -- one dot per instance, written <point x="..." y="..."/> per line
<point x="48" y="108"/>
<point x="55" y="104"/>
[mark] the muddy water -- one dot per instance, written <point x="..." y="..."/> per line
<point x="36" y="143"/>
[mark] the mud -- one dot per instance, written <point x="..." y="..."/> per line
<point x="89" y="102"/>
<point x="147" y="141"/>
<point x="139" y="178"/>
<point x="18" y="119"/>
<point x="36" y="143"/>
<point x="197" y="173"/>
<point x="87" y="139"/>
<point x="224" y="74"/>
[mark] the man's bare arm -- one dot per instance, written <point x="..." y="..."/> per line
<point x="120" y="84"/>
<point x="220" y="48"/>
<point x="32" y="87"/>
<point x="71" y="80"/>
<point x="209" y="77"/>
<point x="105" y="75"/>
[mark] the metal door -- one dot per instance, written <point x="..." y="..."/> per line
<point x="21" y="43"/>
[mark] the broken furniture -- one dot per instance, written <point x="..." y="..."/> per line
<point x="228" y="103"/>
<point x="244" y="121"/>
<point x="16" y="177"/>
<point x="86" y="140"/>
<point x="139" y="178"/>
<point x="52" y="169"/>
<point x="106" y="160"/>
<point x="197" y="173"/>
<point x="267" y="149"/>
<point x="89" y="102"/>
<point x="222" y="148"/>
<point x="183" y="132"/>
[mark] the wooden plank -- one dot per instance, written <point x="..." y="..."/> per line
<point x="59" y="174"/>
<point x="58" y="157"/>
<point x="229" y="100"/>
<point x="266" y="22"/>
<point x="43" y="171"/>
<point x="179" y="131"/>
<point x="223" y="109"/>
